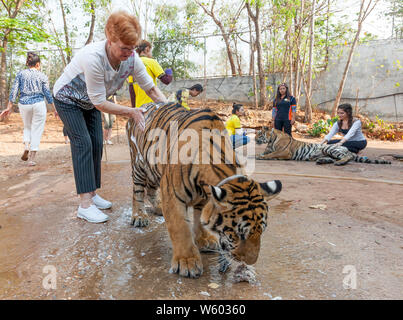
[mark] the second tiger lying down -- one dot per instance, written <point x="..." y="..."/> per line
<point x="282" y="146"/>
<point x="230" y="211"/>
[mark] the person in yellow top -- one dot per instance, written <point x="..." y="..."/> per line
<point x="137" y="95"/>
<point x="233" y="125"/>
<point x="182" y="96"/>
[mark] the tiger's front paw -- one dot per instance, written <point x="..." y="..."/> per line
<point x="260" y="157"/>
<point x="191" y="266"/>
<point x="207" y="242"/>
<point x="139" y="221"/>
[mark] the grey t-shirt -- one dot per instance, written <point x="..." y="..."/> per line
<point x="353" y="134"/>
<point x="89" y="78"/>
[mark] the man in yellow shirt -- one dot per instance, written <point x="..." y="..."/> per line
<point x="182" y="96"/>
<point x="137" y="95"/>
<point x="233" y="125"/>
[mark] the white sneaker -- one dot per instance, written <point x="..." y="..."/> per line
<point x="109" y="142"/>
<point x="101" y="203"/>
<point x="92" y="214"/>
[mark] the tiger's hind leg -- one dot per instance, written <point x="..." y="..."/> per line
<point x="340" y="153"/>
<point x="154" y="197"/>
<point x="324" y="160"/>
<point x="343" y="161"/>
<point x="204" y="240"/>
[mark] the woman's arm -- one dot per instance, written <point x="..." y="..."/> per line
<point x="333" y="131"/>
<point x="293" y="106"/>
<point x="114" y="108"/>
<point x="146" y="82"/>
<point x="156" y="94"/>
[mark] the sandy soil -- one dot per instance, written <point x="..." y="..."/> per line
<point x="304" y="250"/>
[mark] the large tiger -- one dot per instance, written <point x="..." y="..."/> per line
<point x="282" y="146"/>
<point x="229" y="205"/>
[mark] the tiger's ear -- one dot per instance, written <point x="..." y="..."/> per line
<point x="219" y="194"/>
<point x="271" y="189"/>
<point x="219" y="197"/>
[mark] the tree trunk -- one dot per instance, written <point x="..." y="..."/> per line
<point x="4" y="45"/>
<point x="228" y="48"/>
<point x="308" y="105"/>
<point x="298" y="53"/>
<point x="262" y="76"/>
<point x="364" y="13"/>
<point x="327" y="35"/>
<point x="91" y="34"/>
<point x="346" y="68"/>
<point x="66" y="33"/>
<point x="238" y="57"/>
<point x="252" y="60"/>
<point x="3" y="70"/>
<point x="224" y="35"/>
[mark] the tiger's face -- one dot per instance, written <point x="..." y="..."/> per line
<point x="262" y="135"/>
<point x="275" y="139"/>
<point x="237" y="213"/>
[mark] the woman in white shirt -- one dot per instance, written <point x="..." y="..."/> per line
<point x="353" y="139"/>
<point x="97" y="71"/>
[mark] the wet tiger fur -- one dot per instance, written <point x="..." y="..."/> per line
<point x="282" y="146"/>
<point x="229" y="210"/>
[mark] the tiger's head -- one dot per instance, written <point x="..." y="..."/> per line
<point x="237" y="213"/>
<point x="275" y="139"/>
<point x="262" y="135"/>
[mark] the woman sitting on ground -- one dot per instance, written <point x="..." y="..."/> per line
<point x="233" y="125"/>
<point x="353" y="139"/>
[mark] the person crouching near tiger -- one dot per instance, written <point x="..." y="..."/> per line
<point x="233" y="125"/>
<point x="182" y="96"/>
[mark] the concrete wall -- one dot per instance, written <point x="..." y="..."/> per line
<point x="375" y="70"/>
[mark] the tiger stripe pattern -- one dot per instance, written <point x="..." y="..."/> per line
<point x="229" y="209"/>
<point x="281" y="146"/>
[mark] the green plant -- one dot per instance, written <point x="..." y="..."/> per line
<point x="322" y="127"/>
<point x="383" y="124"/>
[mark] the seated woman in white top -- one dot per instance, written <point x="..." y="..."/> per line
<point x="353" y="138"/>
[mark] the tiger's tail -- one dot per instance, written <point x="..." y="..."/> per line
<point x="374" y="161"/>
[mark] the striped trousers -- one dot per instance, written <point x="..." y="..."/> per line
<point x="84" y="128"/>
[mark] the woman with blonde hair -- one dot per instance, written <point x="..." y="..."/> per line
<point x="97" y="71"/>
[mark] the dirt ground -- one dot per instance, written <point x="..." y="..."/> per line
<point x="306" y="253"/>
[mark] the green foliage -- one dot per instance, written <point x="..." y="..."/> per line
<point x="170" y="39"/>
<point x="322" y="127"/>
<point x="377" y="124"/>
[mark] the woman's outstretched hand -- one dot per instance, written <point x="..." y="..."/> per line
<point x="137" y="116"/>
<point x="5" y="113"/>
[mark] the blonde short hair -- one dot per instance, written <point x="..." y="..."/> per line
<point x="124" y="27"/>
